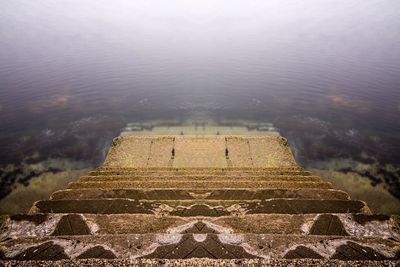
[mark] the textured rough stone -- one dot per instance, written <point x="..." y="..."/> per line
<point x="35" y="218"/>
<point x="218" y="200"/>
<point x="205" y="262"/>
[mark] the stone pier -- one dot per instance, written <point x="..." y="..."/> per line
<point x="200" y="200"/>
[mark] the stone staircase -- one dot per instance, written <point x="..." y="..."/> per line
<point x="145" y="211"/>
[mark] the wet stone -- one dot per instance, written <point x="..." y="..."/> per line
<point x="327" y="224"/>
<point x="354" y="251"/>
<point x="210" y="247"/>
<point x="302" y="252"/>
<point x="200" y="210"/>
<point x="47" y="251"/>
<point x="97" y="252"/>
<point x="71" y="224"/>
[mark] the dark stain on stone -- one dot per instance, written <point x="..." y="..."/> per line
<point x="100" y="206"/>
<point x="302" y="252"/>
<point x="211" y="248"/>
<point x="97" y="252"/>
<point x="200" y="210"/>
<point x="354" y="251"/>
<point x="71" y="224"/>
<point x="365" y="218"/>
<point x="327" y="224"/>
<point x="303" y="206"/>
<point x="46" y="251"/>
<point x="35" y="218"/>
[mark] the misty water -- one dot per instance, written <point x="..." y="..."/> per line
<point x="325" y="73"/>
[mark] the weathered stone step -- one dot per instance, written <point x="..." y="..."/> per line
<point x="190" y="208"/>
<point x="228" y="194"/>
<point x="40" y="225"/>
<point x="200" y="169"/>
<point x="197" y="173"/>
<point x="299" y="206"/>
<point x="197" y="178"/>
<point x="200" y="184"/>
<point x="214" y="246"/>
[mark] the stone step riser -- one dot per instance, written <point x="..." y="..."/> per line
<point x="200" y="169"/>
<point x="192" y="173"/>
<point x="198" y="178"/>
<point x="200" y="185"/>
<point x="202" y="208"/>
<point x="178" y="194"/>
<point x="240" y="174"/>
<point x="301" y="224"/>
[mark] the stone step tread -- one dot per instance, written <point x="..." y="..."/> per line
<point x="199" y="208"/>
<point x="87" y="178"/>
<point x="189" y="174"/>
<point x="356" y="224"/>
<point x="200" y="184"/>
<point x="176" y="193"/>
<point x="220" y="246"/>
<point x="196" y="173"/>
<point x="197" y="169"/>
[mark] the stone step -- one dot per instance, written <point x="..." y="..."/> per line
<point x="197" y="173"/>
<point x="200" y="169"/>
<point x="228" y="194"/>
<point x="196" y="178"/>
<point x="18" y="226"/>
<point x="200" y="184"/>
<point x="359" y="225"/>
<point x="214" y="246"/>
<point x="299" y="206"/>
<point x="189" y="208"/>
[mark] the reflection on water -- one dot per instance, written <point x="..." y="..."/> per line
<point x="325" y="73"/>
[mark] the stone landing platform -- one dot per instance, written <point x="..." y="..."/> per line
<point x="200" y="200"/>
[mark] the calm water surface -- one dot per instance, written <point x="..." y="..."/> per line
<point x="326" y="73"/>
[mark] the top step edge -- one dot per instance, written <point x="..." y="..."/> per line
<point x="105" y="168"/>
